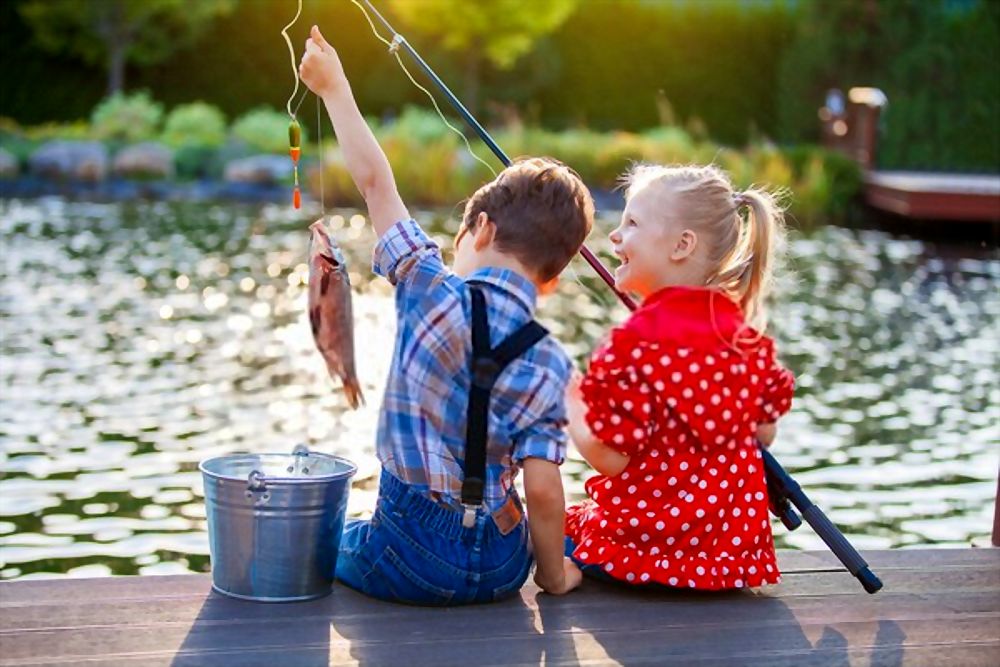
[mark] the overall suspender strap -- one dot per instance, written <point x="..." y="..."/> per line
<point x="487" y="365"/>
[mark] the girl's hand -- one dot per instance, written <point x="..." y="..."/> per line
<point x="320" y="68"/>
<point x="576" y="407"/>
<point x="766" y="434"/>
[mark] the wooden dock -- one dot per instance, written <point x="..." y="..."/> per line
<point x="938" y="607"/>
<point x="935" y="196"/>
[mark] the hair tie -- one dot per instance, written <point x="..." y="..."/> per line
<point x="740" y="199"/>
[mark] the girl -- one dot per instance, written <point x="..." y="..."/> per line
<point x="674" y="401"/>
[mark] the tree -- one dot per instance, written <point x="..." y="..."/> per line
<point x="500" y="30"/>
<point x="119" y="31"/>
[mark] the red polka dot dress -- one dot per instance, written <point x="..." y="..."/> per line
<point x="691" y="509"/>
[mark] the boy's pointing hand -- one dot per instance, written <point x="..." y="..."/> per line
<point x="320" y="68"/>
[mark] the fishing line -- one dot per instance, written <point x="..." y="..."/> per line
<point x="319" y="152"/>
<point x="295" y="70"/>
<point x="394" y="50"/>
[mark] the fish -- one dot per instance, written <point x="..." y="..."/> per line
<point x="330" y="315"/>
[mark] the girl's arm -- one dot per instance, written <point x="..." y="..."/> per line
<point x="323" y="73"/>
<point x="601" y="458"/>
<point x="766" y="433"/>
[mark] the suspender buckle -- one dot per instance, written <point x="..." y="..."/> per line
<point x="469" y="516"/>
<point x="472" y="499"/>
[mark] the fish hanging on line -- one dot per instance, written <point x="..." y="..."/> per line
<point x="330" y="314"/>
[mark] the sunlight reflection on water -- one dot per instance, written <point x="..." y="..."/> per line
<point x="139" y="339"/>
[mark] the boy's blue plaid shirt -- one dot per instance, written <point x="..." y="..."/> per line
<point x="421" y="433"/>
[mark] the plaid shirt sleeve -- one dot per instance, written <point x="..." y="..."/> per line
<point x="546" y="438"/>
<point x="405" y="255"/>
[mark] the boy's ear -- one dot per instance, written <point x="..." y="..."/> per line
<point x="548" y="287"/>
<point x="685" y="245"/>
<point x="484" y="232"/>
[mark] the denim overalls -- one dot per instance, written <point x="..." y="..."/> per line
<point x="419" y="551"/>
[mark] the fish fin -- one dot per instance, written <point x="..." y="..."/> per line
<point x="314" y="320"/>
<point x="324" y="283"/>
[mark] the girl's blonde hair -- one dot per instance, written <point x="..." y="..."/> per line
<point x="743" y="231"/>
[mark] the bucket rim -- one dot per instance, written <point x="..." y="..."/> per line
<point x="352" y="468"/>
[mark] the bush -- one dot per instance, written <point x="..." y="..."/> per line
<point x="196" y="124"/>
<point x="195" y="162"/>
<point x="128" y="118"/>
<point x="932" y="60"/>
<point x="429" y="171"/>
<point x="265" y="129"/>
<point x="77" y="131"/>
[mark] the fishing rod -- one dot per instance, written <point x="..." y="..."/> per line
<point x="783" y="491"/>
<point x="398" y="41"/>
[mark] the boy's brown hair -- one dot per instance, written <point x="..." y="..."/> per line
<point x="542" y="211"/>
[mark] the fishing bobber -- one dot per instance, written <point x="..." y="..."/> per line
<point x="294" y="150"/>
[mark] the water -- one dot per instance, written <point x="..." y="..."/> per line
<point x="139" y="339"/>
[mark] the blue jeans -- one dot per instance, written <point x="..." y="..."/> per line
<point x="589" y="570"/>
<point x="416" y="551"/>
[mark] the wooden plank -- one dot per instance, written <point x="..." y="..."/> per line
<point x="220" y="617"/>
<point x="920" y="181"/>
<point x="110" y="588"/>
<point x="350" y="608"/>
<point x="80" y="607"/>
<point x="935" y="196"/>
<point x="938" y="607"/>
<point x="562" y="641"/>
<point x="806" y="561"/>
<point x="57" y="591"/>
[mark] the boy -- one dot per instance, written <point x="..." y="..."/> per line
<point x="475" y="391"/>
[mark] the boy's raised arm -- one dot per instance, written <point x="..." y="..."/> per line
<point x="323" y="73"/>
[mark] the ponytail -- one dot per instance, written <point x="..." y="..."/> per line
<point x="747" y="272"/>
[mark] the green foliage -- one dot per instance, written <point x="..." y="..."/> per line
<point x="196" y="161"/>
<point x="122" y="117"/>
<point x="747" y="70"/>
<point x="603" y="67"/>
<point x="265" y="129"/>
<point x="432" y="168"/>
<point x="119" y="31"/>
<point x="195" y="124"/>
<point x="935" y="61"/>
<point x="502" y="30"/>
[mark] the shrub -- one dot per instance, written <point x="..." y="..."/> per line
<point x="128" y="118"/>
<point x="430" y="171"/>
<point x="265" y="129"/>
<point x="933" y="61"/>
<point x="196" y="124"/>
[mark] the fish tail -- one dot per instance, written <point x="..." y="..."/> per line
<point x="352" y="389"/>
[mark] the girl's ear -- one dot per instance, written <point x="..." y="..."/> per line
<point x="685" y="245"/>
<point x="484" y="232"/>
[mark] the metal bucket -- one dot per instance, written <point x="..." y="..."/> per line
<point x="275" y="523"/>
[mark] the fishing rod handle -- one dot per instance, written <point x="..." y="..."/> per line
<point x="839" y="545"/>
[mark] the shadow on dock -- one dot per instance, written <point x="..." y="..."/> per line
<point x="600" y="624"/>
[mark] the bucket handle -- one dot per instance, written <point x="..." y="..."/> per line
<point x="256" y="481"/>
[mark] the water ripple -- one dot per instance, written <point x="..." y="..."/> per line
<point x="139" y="339"/>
